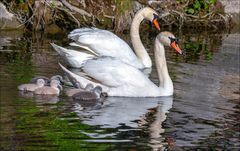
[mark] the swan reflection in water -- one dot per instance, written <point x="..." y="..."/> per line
<point x="130" y="112"/>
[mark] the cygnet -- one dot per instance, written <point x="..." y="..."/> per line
<point x="32" y="86"/>
<point x="88" y="95"/>
<point x="53" y="89"/>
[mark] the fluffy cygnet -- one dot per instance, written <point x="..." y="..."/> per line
<point x="88" y="95"/>
<point x="32" y="86"/>
<point x="53" y="89"/>
<point x="46" y="79"/>
<point x="70" y="92"/>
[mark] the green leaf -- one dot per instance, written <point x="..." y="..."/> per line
<point x="197" y="5"/>
<point x="190" y="11"/>
<point x="206" y="6"/>
<point x="21" y="1"/>
<point x="213" y="1"/>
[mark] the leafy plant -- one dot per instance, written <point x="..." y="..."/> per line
<point x="196" y="6"/>
<point x="21" y="1"/>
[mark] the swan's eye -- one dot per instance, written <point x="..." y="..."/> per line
<point x="173" y="39"/>
<point x="155" y="16"/>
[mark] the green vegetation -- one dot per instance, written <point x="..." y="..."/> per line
<point x="114" y="14"/>
<point x="21" y="1"/>
<point x="198" y="6"/>
<point x="195" y="7"/>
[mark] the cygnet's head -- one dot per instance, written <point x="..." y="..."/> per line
<point x="168" y="39"/>
<point x="57" y="77"/>
<point x="150" y="15"/>
<point x="35" y="78"/>
<point x="77" y="85"/>
<point x="89" y="87"/>
<point x="55" y="84"/>
<point x="40" y="82"/>
<point x="97" y="90"/>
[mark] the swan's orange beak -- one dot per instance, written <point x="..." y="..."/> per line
<point x="176" y="47"/>
<point x="155" y="22"/>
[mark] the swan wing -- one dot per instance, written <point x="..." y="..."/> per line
<point x="105" y="43"/>
<point x="79" y="30"/>
<point x="115" y="73"/>
<point x="72" y="57"/>
<point x="115" y="77"/>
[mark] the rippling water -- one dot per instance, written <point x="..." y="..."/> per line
<point x="202" y="114"/>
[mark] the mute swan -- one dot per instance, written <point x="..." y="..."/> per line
<point x="53" y="89"/>
<point x="32" y="86"/>
<point x="105" y="43"/>
<point x="120" y="79"/>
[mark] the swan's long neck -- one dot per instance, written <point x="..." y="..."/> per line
<point x="161" y="64"/>
<point x="137" y="43"/>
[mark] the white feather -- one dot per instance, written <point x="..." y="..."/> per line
<point x="72" y="57"/>
<point x="104" y="43"/>
<point x="83" y="47"/>
<point x="81" y="79"/>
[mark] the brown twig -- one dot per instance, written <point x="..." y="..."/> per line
<point x="225" y="19"/>
<point x="73" y="8"/>
<point x="70" y="14"/>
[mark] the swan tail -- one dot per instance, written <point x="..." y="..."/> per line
<point x="77" y="78"/>
<point x="84" y="75"/>
<point x="74" y="58"/>
<point x="83" y="47"/>
<point x="63" y="51"/>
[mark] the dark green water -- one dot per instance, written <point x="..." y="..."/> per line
<point x="202" y="114"/>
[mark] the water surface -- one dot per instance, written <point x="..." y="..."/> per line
<point x="203" y="113"/>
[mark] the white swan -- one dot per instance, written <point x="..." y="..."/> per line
<point x="120" y="79"/>
<point x="105" y="43"/>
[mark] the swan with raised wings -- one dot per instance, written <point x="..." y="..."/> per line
<point x="105" y="43"/>
<point x="120" y="79"/>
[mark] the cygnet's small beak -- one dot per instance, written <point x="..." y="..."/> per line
<point x="176" y="47"/>
<point x="60" y="87"/>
